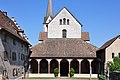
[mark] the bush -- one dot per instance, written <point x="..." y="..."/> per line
<point x="56" y="71"/>
<point x="72" y="72"/>
<point x="101" y="77"/>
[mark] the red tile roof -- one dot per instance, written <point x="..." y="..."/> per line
<point x="64" y="47"/>
<point x="85" y="36"/>
<point x="8" y="25"/>
<point x="43" y="35"/>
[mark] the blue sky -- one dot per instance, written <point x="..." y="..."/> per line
<point x="101" y="18"/>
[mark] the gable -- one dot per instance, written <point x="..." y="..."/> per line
<point x="64" y="20"/>
<point x="115" y="46"/>
<point x="65" y="12"/>
<point x="108" y="43"/>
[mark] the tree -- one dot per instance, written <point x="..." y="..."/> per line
<point x="115" y="65"/>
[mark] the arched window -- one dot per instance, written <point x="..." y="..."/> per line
<point x="13" y="56"/>
<point x="60" y="21"/>
<point x="68" y="22"/>
<point x="64" y="33"/>
<point x="64" y="21"/>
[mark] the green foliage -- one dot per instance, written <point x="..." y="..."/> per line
<point x="101" y="77"/>
<point x="72" y="72"/>
<point x="56" y="71"/>
<point x="115" y="65"/>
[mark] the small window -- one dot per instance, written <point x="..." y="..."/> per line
<point x="60" y="21"/>
<point x="19" y="56"/>
<point x="119" y="55"/>
<point x="64" y="21"/>
<point x="5" y="56"/>
<point x="68" y="22"/>
<point x="14" y="42"/>
<point x="4" y="72"/>
<point x="64" y="33"/>
<point x="47" y="27"/>
<point x="113" y="55"/>
<point x="13" y="56"/>
<point x="21" y="45"/>
<point x="14" y="72"/>
<point x="22" y="57"/>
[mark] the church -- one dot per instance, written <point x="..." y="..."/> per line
<point x="63" y="45"/>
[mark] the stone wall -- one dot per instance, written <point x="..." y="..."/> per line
<point x="12" y="44"/>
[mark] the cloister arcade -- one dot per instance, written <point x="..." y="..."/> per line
<point x="47" y="66"/>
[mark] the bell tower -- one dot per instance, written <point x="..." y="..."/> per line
<point x="49" y="15"/>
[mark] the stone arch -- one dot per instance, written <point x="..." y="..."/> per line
<point x="95" y="66"/>
<point x="34" y="66"/>
<point x="43" y="66"/>
<point x="85" y="69"/>
<point x="64" y="67"/>
<point x="53" y="65"/>
<point x="75" y="64"/>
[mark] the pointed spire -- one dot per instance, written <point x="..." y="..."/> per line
<point x="50" y="9"/>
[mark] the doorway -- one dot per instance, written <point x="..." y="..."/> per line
<point x="64" y="68"/>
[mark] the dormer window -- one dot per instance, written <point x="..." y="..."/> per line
<point x="67" y="21"/>
<point x="60" y="21"/>
<point x="64" y="33"/>
<point x="64" y="21"/>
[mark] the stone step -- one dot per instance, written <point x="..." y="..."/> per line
<point x="62" y="78"/>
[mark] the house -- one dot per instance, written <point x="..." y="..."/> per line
<point x="108" y="51"/>
<point x="63" y="45"/>
<point x="14" y="48"/>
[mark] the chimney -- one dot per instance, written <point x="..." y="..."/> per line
<point x="5" y="13"/>
<point x="13" y="19"/>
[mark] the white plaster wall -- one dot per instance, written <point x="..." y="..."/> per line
<point x="47" y="21"/>
<point x="55" y="29"/>
<point x="113" y="48"/>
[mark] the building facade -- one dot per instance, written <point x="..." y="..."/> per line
<point x="14" y="48"/>
<point x="108" y="51"/>
<point x="63" y="45"/>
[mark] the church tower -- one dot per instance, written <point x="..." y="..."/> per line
<point x="49" y="15"/>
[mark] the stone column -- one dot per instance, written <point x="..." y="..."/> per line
<point x="90" y="61"/>
<point x="38" y="60"/>
<point x="29" y="65"/>
<point x="79" y="65"/>
<point x="48" y="65"/>
<point x="59" y="60"/>
<point x="69" y="60"/>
